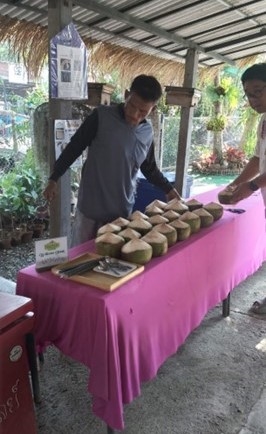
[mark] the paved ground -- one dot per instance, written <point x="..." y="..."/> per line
<point x="214" y="384"/>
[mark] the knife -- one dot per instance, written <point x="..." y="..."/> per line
<point x="79" y="268"/>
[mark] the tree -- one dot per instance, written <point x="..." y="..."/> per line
<point x="221" y="99"/>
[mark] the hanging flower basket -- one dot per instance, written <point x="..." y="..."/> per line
<point x="216" y="124"/>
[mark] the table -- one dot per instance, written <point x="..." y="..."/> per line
<point x="124" y="337"/>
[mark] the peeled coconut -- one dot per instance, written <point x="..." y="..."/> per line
<point x="193" y="204"/>
<point x="140" y="225"/>
<point x="192" y="219"/>
<point x="157" y="241"/>
<point x="138" y="215"/>
<point x="121" y="221"/>
<point x="153" y="210"/>
<point x="215" y="209"/>
<point x="109" y="244"/>
<point x="177" y="206"/>
<point x="183" y="229"/>
<point x="206" y="219"/>
<point x="171" y="215"/>
<point x="109" y="227"/>
<point x="158" y="203"/>
<point x="137" y="251"/>
<point x="129" y="234"/>
<point x="168" y="231"/>
<point x="157" y="219"/>
<point x="225" y="196"/>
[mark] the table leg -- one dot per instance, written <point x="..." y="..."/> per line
<point x="226" y="306"/>
<point x="30" y="344"/>
<point x="110" y="430"/>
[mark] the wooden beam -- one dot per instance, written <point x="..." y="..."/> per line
<point x="59" y="15"/>
<point x="186" y="118"/>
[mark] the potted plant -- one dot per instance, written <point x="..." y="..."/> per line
<point x="20" y="196"/>
<point x="216" y="123"/>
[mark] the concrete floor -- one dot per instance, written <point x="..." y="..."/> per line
<point x="214" y="384"/>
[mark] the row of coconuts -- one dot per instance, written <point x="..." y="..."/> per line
<point x="150" y="234"/>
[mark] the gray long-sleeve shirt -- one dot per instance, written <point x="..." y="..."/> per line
<point x="116" y="151"/>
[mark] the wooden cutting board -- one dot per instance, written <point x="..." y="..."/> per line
<point x="99" y="280"/>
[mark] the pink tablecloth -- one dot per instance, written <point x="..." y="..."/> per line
<point x="124" y="336"/>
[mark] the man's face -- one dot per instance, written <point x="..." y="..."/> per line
<point x="136" y="109"/>
<point x="255" y="91"/>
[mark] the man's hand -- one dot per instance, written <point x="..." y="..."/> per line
<point x="173" y="194"/>
<point x="242" y="191"/>
<point x="50" y="191"/>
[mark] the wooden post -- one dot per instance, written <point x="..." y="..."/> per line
<point x="186" y="124"/>
<point x="59" y="16"/>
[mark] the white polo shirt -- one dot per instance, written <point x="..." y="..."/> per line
<point x="260" y="150"/>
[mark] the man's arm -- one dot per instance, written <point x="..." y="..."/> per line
<point x="78" y="143"/>
<point x="249" y="172"/>
<point x="242" y="182"/>
<point x="151" y="171"/>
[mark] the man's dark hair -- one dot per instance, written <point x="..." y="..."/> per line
<point x="255" y="72"/>
<point x="147" y="87"/>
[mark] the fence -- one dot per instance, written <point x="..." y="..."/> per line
<point x="201" y="139"/>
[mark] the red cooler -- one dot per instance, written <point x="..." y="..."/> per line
<point x="17" y="415"/>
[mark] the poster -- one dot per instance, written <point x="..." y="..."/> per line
<point x="64" y="129"/>
<point x="68" y="65"/>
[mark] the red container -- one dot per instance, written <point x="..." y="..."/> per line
<point x="17" y="414"/>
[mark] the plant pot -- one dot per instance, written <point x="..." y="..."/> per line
<point x="38" y="229"/>
<point x="5" y="243"/>
<point x="16" y="237"/>
<point x="26" y="237"/>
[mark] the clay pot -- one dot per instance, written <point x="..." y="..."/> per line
<point x="26" y="237"/>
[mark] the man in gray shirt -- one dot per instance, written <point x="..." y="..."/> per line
<point x="120" y="142"/>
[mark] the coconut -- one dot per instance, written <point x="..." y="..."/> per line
<point x="121" y="221"/>
<point x="157" y="219"/>
<point x="129" y="234"/>
<point x="215" y="209"/>
<point x="225" y="196"/>
<point x="109" y="227"/>
<point x="137" y="251"/>
<point x="140" y="225"/>
<point x="192" y="219"/>
<point x="171" y="215"/>
<point x="153" y="210"/>
<point x="177" y="206"/>
<point x="193" y="204"/>
<point x="109" y="244"/>
<point x="183" y="229"/>
<point x="138" y="215"/>
<point x="157" y="241"/>
<point x="206" y="219"/>
<point x="158" y="203"/>
<point x="168" y="231"/>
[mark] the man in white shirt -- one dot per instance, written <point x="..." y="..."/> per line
<point x="253" y="176"/>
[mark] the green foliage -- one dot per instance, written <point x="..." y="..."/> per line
<point x="250" y="119"/>
<point x="171" y="131"/>
<point x="35" y="97"/>
<point x="227" y="93"/>
<point x="216" y="123"/>
<point x="21" y="191"/>
<point x="6" y="54"/>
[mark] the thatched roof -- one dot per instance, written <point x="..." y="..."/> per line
<point x="29" y="42"/>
